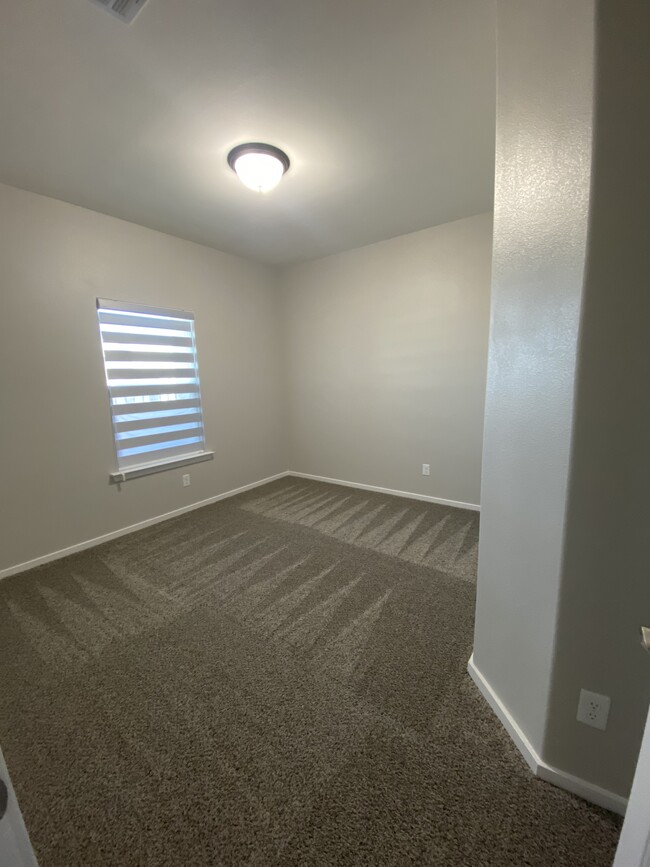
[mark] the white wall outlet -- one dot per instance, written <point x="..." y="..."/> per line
<point x="593" y="709"/>
<point x="426" y="469"/>
<point x="186" y="480"/>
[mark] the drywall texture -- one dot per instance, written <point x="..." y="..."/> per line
<point x="544" y="86"/>
<point x="55" y="431"/>
<point x="606" y="571"/>
<point x="383" y="350"/>
<point x="564" y="549"/>
<point x="387" y="349"/>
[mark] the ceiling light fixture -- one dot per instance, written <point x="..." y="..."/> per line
<point x="258" y="166"/>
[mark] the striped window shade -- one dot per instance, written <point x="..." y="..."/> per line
<point x="153" y="383"/>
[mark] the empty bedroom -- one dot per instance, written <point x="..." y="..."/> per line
<point x="324" y="429"/>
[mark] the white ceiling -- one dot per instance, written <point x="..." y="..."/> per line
<point x="385" y="107"/>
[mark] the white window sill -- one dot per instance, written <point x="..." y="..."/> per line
<point x="158" y="467"/>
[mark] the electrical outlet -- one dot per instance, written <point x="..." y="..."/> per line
<point x="593" y="709"/>
<point x="426" y="469"/>
<point x="186" y="480"/>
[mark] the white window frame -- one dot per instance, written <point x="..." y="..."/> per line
<point x="141" y="355"/>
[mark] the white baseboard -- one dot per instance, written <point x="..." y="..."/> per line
<point x="576" y="785"/>
<point x="99" y="540"/>
<point x="408" y="494"/>
<point x="507" y="721"/>
<point x="132" y="528"/>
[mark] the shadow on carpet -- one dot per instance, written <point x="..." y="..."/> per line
<point x="277" y="679"/>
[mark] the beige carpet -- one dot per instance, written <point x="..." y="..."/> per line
<point x="278" y="679"/>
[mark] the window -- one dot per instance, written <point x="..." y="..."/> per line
<point x="153" y="384"/>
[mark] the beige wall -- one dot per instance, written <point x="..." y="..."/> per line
<point x="387" y="350"/>
<point x="55" y="433"/>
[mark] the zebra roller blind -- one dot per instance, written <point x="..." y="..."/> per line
<point x="153" y="383"/>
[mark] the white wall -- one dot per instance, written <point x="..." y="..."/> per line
<point x="382" y="350"/>
<point x="387" y="348"/>
<point x="544" y="115"/>
<point x="55" y="432"/>
<point x="606" y="569"/>
<point x="563" y="582"/>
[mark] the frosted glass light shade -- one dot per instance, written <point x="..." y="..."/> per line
<point x="258" y="166"/>
<point x="260" y="172"/>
